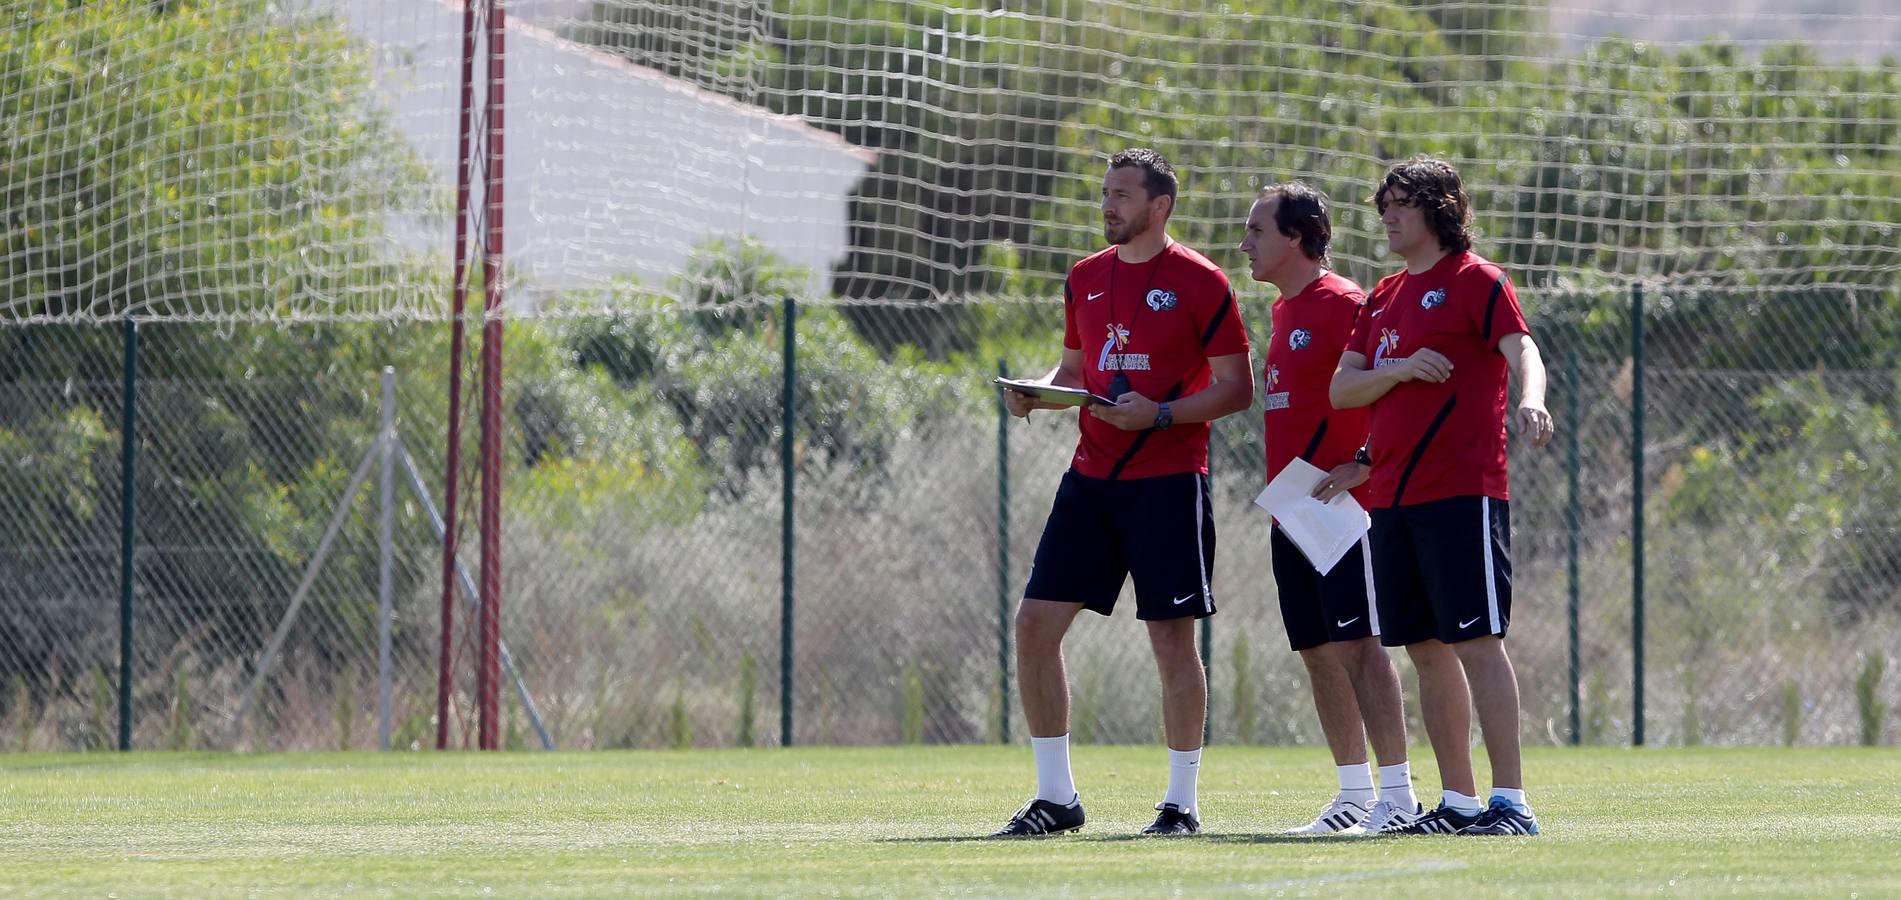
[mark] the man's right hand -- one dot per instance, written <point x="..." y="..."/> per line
<point x="1425" y="365"/>
<point x="1018" y="403"/>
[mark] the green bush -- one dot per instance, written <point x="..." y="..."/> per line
<point x="1868" y="703"/>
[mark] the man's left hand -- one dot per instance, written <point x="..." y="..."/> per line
<point x="1132" y="412"/>
<point x="1535" y="424"/>
<point x="1342" y="478"/>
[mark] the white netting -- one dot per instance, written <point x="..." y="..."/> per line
<point x="249" y="160"/>
<point x="903" y="169"/>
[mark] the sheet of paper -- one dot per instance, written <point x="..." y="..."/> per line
<point x="1322" y="531"/>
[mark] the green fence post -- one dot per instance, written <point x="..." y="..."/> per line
<point x="1572" y="385"/>
<point x="1003" y="559"/>
<point x="1637" y="512"/>
<point x="128" y="501"/>
<point x="786" y="411"/>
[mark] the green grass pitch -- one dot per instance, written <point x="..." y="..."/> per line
<point x="882" y="822"/>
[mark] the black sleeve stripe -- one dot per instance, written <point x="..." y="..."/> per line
<point x="1221" y="315"/>
<point x="1067" y="296"/>
<point x="1491" y="306"/>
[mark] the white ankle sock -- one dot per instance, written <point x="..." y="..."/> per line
<point x="1356" y="783"/>
<point x="1396" y="785"/>
<point x="1514" y="796"/>
<point x="1053" y="781"/>
<point x="1465" y="803"/>
<point x="1184" y="770"/>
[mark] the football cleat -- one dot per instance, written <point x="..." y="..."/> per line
<point x="1503" y="818"/>
<point x="1340" y="815"/>
<point x="1173" y="820"/>
<point x="1388" y="817"/>
<point x="1444" y="820"/>
<point x="1040" y="817"/>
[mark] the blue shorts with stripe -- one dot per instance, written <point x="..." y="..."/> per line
<point x="1443" y="570"/>
<point x="1100" y="532"/>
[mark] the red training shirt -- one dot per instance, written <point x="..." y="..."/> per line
<point x="1433" y="441"/>
<point x="1157" y="322"/>
<point x="1311" y="329"/>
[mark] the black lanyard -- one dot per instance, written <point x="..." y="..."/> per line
<point x="1114" y="262"/>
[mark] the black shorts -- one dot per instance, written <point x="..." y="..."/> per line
<point x="1443" y="570"/>
<point x="1160" y="530"/>
<point x="1316" y="608"/>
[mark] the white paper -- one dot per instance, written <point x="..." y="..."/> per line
<point x="1322" y="531"/>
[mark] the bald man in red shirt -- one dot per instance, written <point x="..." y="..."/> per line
<point x="1331" y="619"/>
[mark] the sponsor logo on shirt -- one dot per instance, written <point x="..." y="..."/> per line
<point x="1161" y="300"/>
<point x="1122" y="362"/>
<point x="1300" y="339"/>
<point x="1281" y="400"/>
<point x="1433" y="298"/>
<point x="1387" y="353"/>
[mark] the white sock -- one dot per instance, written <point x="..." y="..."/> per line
<point x="1184" y="769"/>
<point x="1356" y="783"/>
<point x="1465" y="803"/>
<point x="1514" y="796"/>
<point x="1053" y="781"/>
<point x="1396" y="785"/>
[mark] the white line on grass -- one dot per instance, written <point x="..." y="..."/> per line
<point x="1424" y="868"/>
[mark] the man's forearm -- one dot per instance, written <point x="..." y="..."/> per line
<point x="1358" y="387"/>
<point x="1062" y="377"/>
<point x="1528" y="367"/>
<point x="1212" y="402"/>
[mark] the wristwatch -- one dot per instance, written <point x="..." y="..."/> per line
<point x="1164" y="416"/>
<point x="1363" y="456"/>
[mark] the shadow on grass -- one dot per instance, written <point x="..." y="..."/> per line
<point x="1099" y="838"/>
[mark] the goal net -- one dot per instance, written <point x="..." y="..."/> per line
<point x="243" y="160"/>
<point x="267" y="189"/>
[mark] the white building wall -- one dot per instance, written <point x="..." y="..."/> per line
<point x="611" y="169"/>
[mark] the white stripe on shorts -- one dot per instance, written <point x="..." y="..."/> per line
<point x="1201" y="555"/>
<point x="1372" y="602"/>
<point x="1491" y="573"/>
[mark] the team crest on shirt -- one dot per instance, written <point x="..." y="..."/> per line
<point x="1276" y="400"/>
<point x="1387" y="353"/>
<point x="1300" y="339"/>
<point x="1112" y="358"/>
<point x="1161" y="300"/>
<point x="1433" y="298"/>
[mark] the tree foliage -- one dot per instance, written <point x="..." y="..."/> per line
<point x="1703" y="166"/>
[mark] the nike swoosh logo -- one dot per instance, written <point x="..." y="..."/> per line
<point x="1464" y="625"/>
<point x="1095" y="295"/>
<point x="1185" y="598"/>
<point x="1346" y="623"/>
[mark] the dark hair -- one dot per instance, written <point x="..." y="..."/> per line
<point x="1433" y="185"/>
<point x="1158" y="177"/>
<point x="1302" y="213"/>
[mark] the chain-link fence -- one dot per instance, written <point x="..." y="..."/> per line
<point x="644" y="548"/>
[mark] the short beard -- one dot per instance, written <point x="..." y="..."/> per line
<point x="1129" y="229"/>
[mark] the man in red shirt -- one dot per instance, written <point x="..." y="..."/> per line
<point x="1431" y="356"/>
<point x="1331" y="619"/>
<point x="1153" y="326"/>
